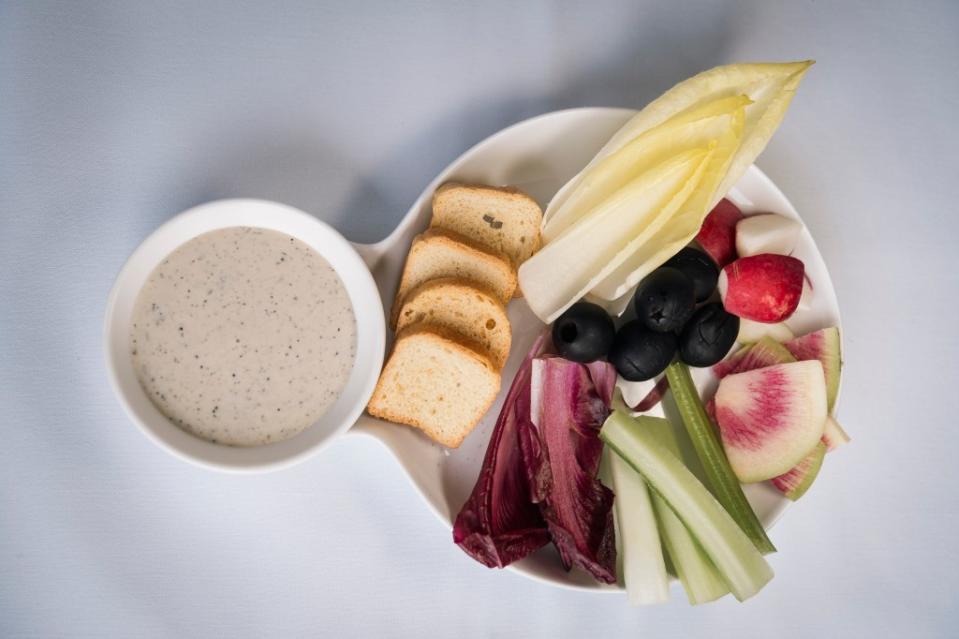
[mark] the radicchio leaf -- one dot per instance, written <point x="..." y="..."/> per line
<point x="603" y="376"/>
<point x="654" y="396"/>
<point x="499" y="523"/>
<point x="562" y="445"/>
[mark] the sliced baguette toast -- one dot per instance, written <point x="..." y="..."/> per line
<point x="463" y="308"/>
<point x="437" y="382"/>
<point x="436" y="253"/>
<point x="503" y="219"/>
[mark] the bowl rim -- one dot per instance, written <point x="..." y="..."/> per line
<point x="258" y="213"/>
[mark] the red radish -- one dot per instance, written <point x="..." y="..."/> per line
<point x="823" y="345"/>
<point x="717" y="235"/>
<point x="765" y="352"/>
<point x="766" y="233"/>
<point x="750" y="331"/>
<point x="833" y="436"/>
<point x="770" y="418"/>
<point x="763" y="288"/>
<point x="797" y="481"/>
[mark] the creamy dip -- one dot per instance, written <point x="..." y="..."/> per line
<point x="243" y="336"/>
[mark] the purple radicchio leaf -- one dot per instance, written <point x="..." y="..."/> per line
<point x="569" y="404"/>
<point x="499" y="523"/>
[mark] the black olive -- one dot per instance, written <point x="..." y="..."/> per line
<point x="665" y="300"/>
<point x="639" y="353"/>
<point x="583" y="333"/>
<point x="708" y="336"/>
<point x="698" y="267"/>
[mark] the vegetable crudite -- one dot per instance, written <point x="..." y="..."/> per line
<point x="655" y="282"/>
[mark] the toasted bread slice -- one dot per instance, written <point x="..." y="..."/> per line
<point x="463" y="308"/>
<point x="436" y="382"/>
<point x="437" y="254"/>
<point x="505" y="220"/>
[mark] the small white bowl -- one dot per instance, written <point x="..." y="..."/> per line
<point x="359" y="284"/>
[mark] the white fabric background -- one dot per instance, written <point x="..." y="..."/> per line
<point x="115" y="116"/>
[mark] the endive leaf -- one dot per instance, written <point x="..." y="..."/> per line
<point x="770" y="86"/>
<point x="573" y="263"/>
<point x="666" y="239"/>
<point x="690" y="129"/>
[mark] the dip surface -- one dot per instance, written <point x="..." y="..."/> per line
<point x="243" y="336"/>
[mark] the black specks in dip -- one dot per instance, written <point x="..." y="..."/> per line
<point x="243" y="336"/>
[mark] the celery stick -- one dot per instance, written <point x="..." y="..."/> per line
<point x="691" y="564"/>
<point x="695" y="570"/>
<point x="720" y="478"/>
<point x="606" y="477"/>
<point x="743" y="568"/>
<point x="643" y="567"/>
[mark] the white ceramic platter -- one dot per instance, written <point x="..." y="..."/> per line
<point x="539" y="155"/>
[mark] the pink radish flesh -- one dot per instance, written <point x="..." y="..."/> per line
<point x="770" y="418"/>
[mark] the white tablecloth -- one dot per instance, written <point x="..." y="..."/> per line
<point x="116" y="115"/>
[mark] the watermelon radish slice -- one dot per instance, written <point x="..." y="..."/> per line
<point x="833" y="436"/>
<point x="771" y="418"/>
<point x="765" y="352"/>
<point x="823" y="345"/>
<point x="797" y="481"/>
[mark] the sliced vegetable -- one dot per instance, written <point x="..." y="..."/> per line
<point x="765" y="352"/>
<point x="666" y="240"/>
<point x="643" y="567"/>
<point x="762" y="288"/>
<point x="767" y="233"/>
<point x="721" y="480"/>
<point x="690" y="563"/>
<point x="823" y="345"/>
<point x="743" y="568"/>
<point x="694" y="128"/>
<point x="642" y="396"/>
<point x="563" y="451"/>
<point x="800" y="477"/>
<point x="770" y="418"/>
<point x="499" y="523"/>
<point x="717" y="235"/>
<point x="702" y="582"/>
<point x="833" y="435"/>
<point x="566" y="268"/>
<point x="770" y="86"/>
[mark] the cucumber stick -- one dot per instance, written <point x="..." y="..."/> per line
<point x="719" y="474"/>
<point x="643" y="567"/>
<point x="638" y="442"/>
<point x="691" y="564"/>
